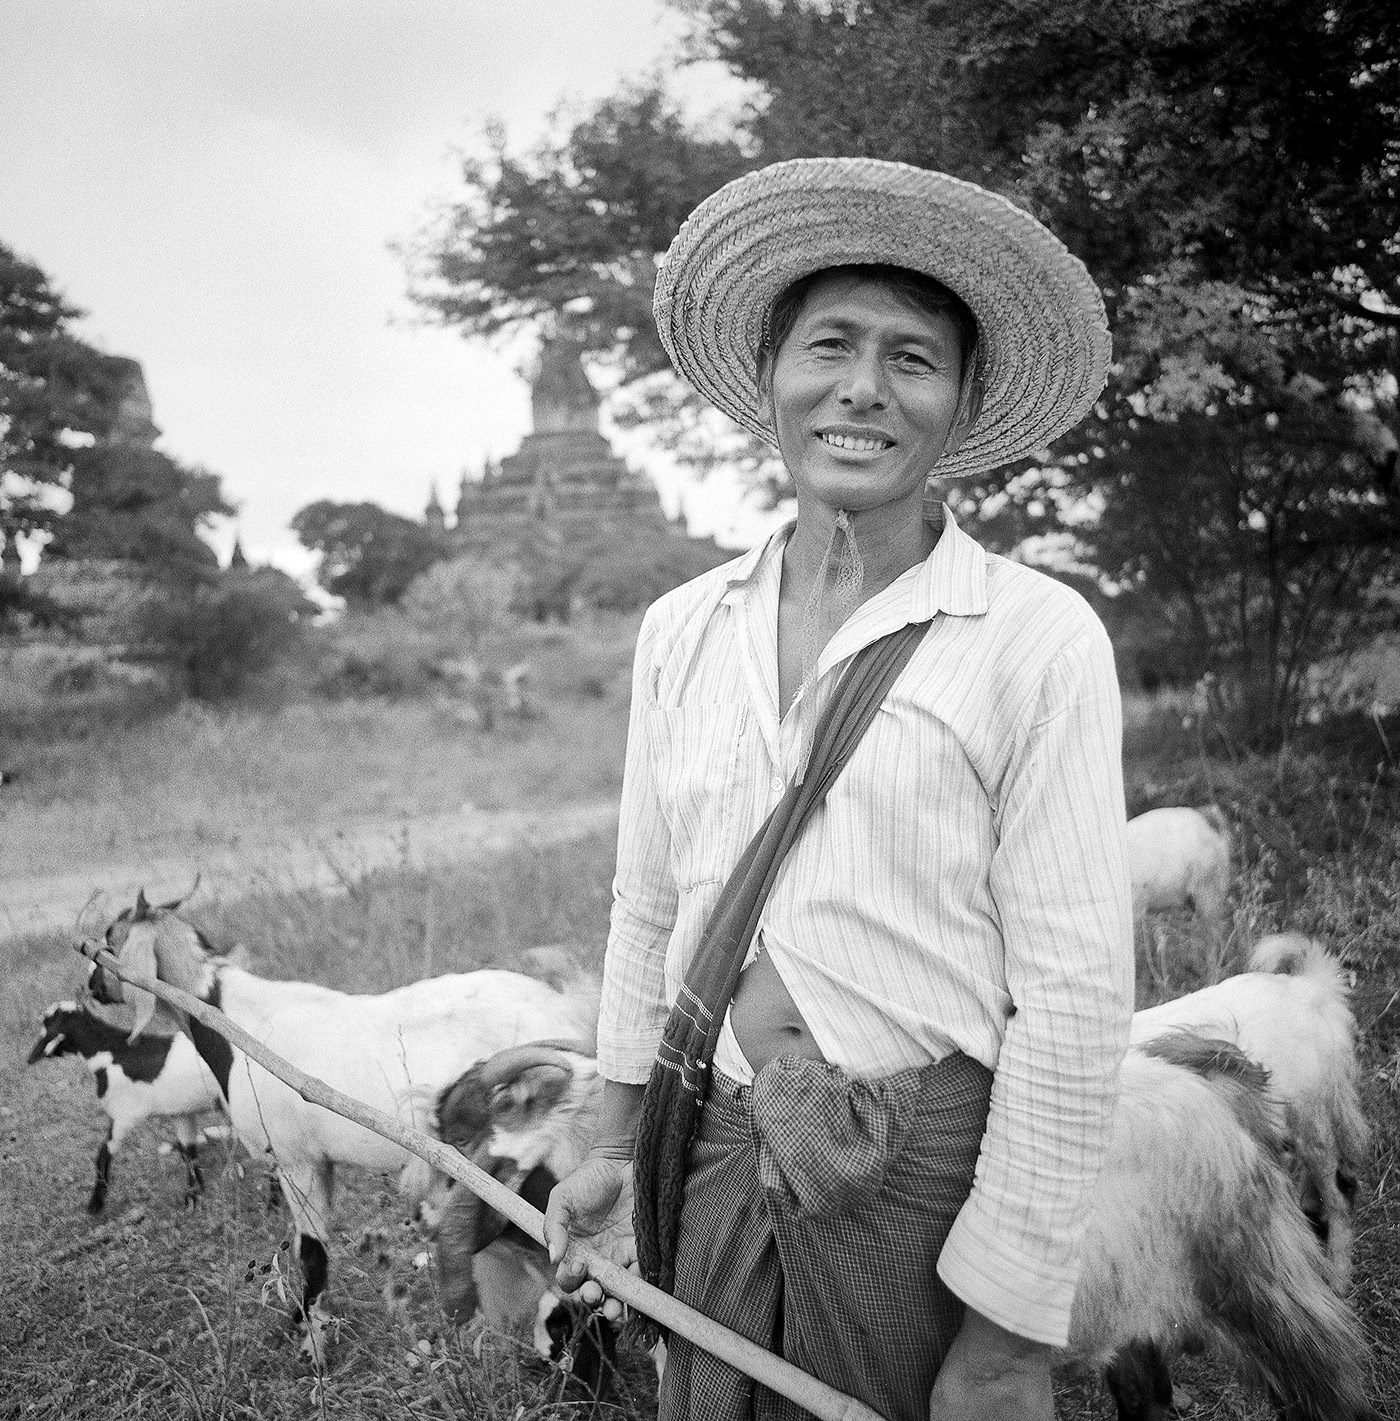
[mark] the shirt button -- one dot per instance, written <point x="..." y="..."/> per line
<point x="777" y="785"/>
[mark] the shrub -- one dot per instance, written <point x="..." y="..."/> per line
<point x="222" y="634"/>
<point x="464" y="600"/>
<point x="375" y="654"/>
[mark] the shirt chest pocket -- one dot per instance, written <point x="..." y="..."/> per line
<point x="697" y="753"/>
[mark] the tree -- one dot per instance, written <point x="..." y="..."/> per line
<point x="225" y="632"/>
<point x="62" y="408"/>
<point x="1228" y="171"/>
<point x="49" y="384"/>
<point x="369" y="556"/>
<point x="568" y="234"/>
<point x="139" y="505"/>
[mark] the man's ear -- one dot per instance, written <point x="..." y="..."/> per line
<point x="765" y="385"/>
<point x="969" y="408"/>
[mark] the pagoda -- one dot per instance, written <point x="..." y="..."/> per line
<point x="564" y="475"/>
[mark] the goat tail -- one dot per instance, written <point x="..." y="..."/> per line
<point x="1294" y="955"/>
<point x="1300" y="1342"/>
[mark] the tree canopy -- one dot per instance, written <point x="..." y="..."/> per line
<point x="369" y="556"/>
<point x="62" y="406"/>
<point x="1228" y="171"/>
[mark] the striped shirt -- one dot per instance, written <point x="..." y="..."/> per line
<point x="964" y="887"/>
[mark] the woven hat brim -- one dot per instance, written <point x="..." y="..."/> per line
<point x="1044" y="343"/>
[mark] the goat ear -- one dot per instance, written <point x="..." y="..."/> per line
<point x="140" y="954"/>
<point x="143" y="908"/>
<point x="536" y="1089"/>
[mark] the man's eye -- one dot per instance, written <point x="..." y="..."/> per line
<point x="912" y="360"/>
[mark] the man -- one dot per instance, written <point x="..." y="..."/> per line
<point x="911" y="1089"/>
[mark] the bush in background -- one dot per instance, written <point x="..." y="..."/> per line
<point x="379" y="654"/>
<point x="463" y="600"/>
<point x="221" y="635"/>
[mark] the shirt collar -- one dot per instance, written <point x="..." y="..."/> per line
<point x="952" y="579"/>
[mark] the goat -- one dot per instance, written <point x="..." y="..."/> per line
<point x="1289" y="1014"/>
<point x="395" y="1051"/>
<point x="1194" y="1233"/>
<point x="1195" y="1237"/>
<point x="160" y="1076"/>
<point x="1180" y="858"/>
<point x="529" y="1123"/>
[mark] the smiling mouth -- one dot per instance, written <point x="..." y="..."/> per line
<point x="856" y="443"/>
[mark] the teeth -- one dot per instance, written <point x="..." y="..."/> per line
<point x="849" y="441"/>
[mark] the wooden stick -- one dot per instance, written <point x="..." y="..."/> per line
<point x="763" y="1366"/>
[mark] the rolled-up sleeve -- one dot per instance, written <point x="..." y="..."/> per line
<point x="634" y="1006"/>
<point x="1059" y="881"/>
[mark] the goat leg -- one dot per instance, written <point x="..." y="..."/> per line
<point x="1140" y="1383"/>
<point x="103" y="1170"/>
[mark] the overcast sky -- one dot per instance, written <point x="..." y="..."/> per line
<point x="218" y="183"/>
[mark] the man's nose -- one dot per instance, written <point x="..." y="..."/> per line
<point x="865" y="386"/>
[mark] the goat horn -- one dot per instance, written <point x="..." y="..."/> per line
<point x="80" y="926"/>
<point x="506" y="1066"/>
<point x="142" y="906"/>
<point x="181" y="898"/>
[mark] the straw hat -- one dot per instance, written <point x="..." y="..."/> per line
<point x="1044" y="346"/>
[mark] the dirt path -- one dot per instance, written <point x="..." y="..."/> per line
<point x="328" y="858"/>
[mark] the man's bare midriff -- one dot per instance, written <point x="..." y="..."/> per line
<point x="766" y="1020"/>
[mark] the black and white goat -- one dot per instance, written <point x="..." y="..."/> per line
<point x="528" y="1121"/>
<point x="395" y="1051"/>
<point x="1195" y="1232"/>
<point x="150" y="1077"/>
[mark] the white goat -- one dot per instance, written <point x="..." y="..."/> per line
<point x="1196" y="1237"/>
<point x="1180" y="858"/>
<point x="1195" y="1230"/>
<point x="394" y="1051"/>
<point x="1289" y="1014"/>
<point x="151" y="1077"/>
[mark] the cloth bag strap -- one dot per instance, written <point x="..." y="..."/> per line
<point x="676" y="1090"/>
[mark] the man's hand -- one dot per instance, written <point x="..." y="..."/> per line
<point x="991" y="1374"/>
<point x="592" y="1206"/>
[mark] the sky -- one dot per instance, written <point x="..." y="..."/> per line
<point x="219" y="186"/>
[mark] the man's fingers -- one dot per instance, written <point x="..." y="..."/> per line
<point x="572" y="1270"/>
<point x="557" y="1215"/>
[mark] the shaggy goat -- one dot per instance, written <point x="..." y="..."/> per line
<point x="1195" y="1231"/>
<point x="395" y="1051"/>
<point x="1289" y="1014"/>
<point x="1195" y="1236"/>
<point x="1180" y="858"/>
<point x="160" y="1076"/>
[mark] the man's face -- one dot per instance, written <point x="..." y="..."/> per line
<point x="865" y="395"/>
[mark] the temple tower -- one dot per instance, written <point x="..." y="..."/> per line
<point x="564" y="474"/>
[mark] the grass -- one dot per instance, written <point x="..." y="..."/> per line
<point x="100" y="780"/>
<point x="160" y="1313"/>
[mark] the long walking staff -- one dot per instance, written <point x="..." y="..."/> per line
<point x="763" y="1366"/>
